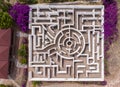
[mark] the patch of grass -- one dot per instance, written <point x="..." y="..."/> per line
<point x="106" y="70"/>
<point x="35" y="83"/>
<point x="23" y="61"/>
<point x="22" y="51"/>
<point x="29" y="1"/>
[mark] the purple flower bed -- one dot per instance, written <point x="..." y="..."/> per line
<point x="110" y="22"/>
<point x="20" y="14"/>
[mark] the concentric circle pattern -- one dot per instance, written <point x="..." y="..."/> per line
<point x="70" y="42"/>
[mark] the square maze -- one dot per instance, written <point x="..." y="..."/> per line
<point x="66" y="43"/>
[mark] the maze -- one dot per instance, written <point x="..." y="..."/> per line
<point x="66" y="43"/>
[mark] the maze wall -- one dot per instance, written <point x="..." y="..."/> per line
<point x="66" y="43"/>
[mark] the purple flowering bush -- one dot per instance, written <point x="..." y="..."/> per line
<point x="110" y="22"/>
<point x="20" y="14"/>
<point x="110" y="30"/>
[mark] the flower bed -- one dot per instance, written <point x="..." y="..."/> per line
<point x="20" y="14"/>
<point x="110" y="22"/>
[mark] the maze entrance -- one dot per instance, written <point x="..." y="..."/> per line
<point x="66" y="43"/>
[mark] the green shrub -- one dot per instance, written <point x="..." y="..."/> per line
<point x="29" y="1"/>
<point x="54" y="1"/>
<point x="35" y="83"/>
<point x="5" y="20"/>
<point x="23" y="61"/>
<point x="2" y="85"/>
<point x="4" y="6"/>
<point x="61" y="0"/>
<point x="22" y="51"/>
<point x="10" y="86"/>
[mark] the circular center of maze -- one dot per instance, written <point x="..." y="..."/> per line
<point x="70" y="43"/>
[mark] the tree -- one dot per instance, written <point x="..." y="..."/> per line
<point x="5" y="20"/>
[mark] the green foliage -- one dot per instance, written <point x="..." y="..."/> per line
<point x="118" y="0"/>
<point x="46" y="1"/>
<point x="4" y="6"/>
<point x="22" y="51"/>
<point x="23" y="61"/>
<point x="106" y="69"/>
<point x="58" y="0"/>
<point x="2" y="85"/>
<point x="5" y="20"/>
<point x="9" y="86"/>
<point x="35" y="83"/>
<point x="29" y="1"/>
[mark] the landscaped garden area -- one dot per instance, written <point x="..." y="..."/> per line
<point x="16" y="17"/>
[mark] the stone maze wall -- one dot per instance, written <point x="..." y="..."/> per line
<point x="66" y="43"/>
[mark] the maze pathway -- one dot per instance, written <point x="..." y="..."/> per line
<point x="66" y="43"/>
